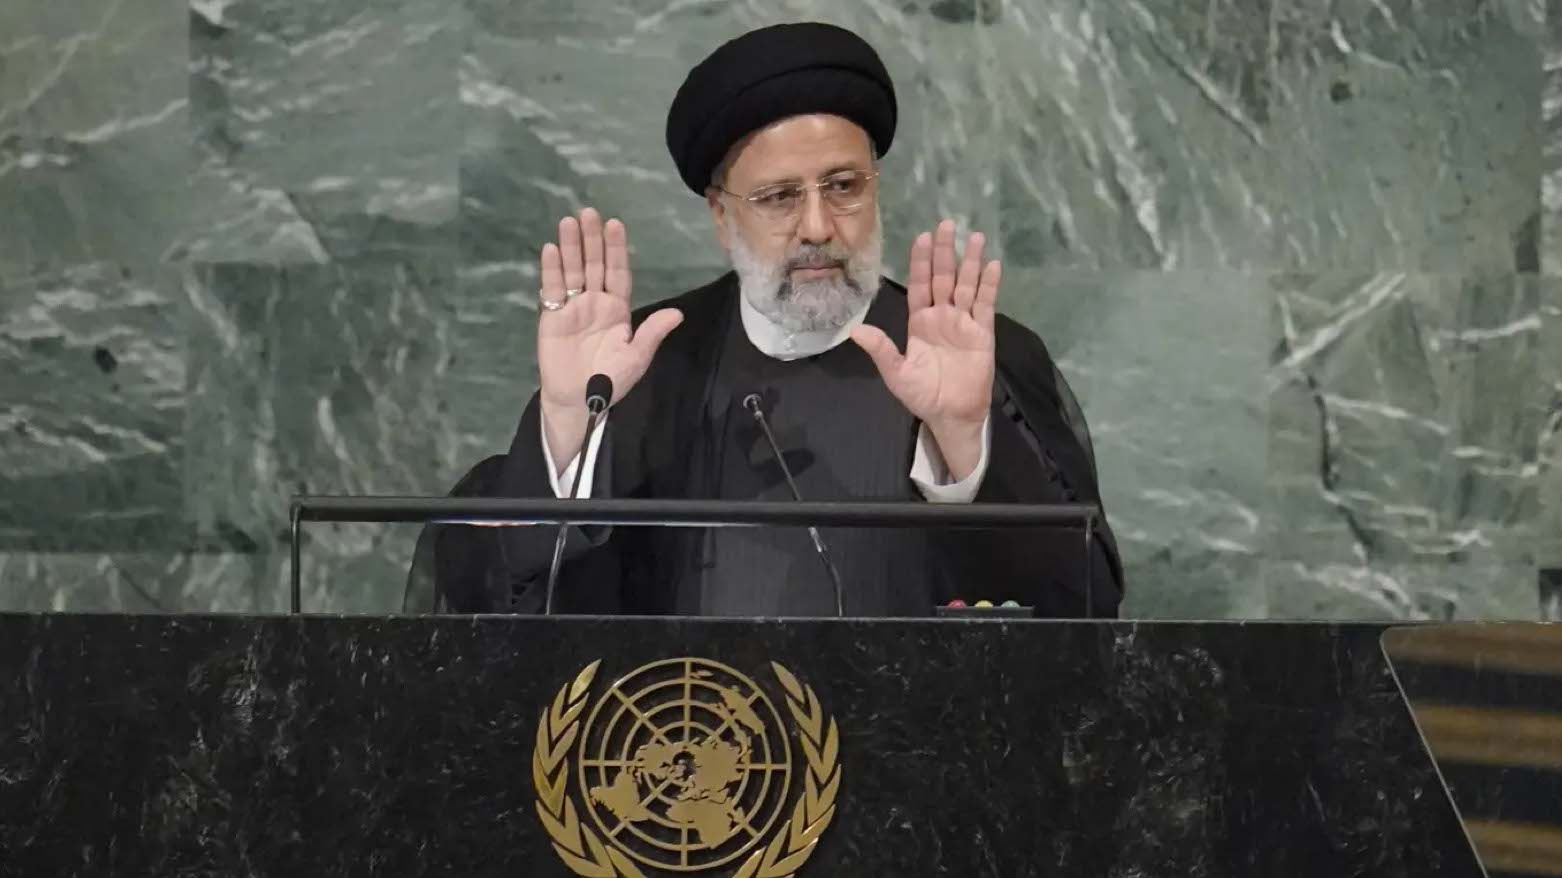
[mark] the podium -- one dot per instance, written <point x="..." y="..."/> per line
<point x="525" y="746"/>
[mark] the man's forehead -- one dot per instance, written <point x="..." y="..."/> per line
<point x="801" y="146"/>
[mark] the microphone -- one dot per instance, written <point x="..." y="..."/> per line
<point x="599" y="392"/>
<point x="755" y="405"/>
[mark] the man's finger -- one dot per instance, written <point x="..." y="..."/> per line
<point x="570" y="250"/>
<point x="944" y="263"/>
<point x="552" y="270"/>
<point x="618" y="280"/>
<point x="970" y="272"/>
<point x="591" y="236"/>
<point x="652" y="332"/>
<point x="919" y="292"/>
<point x="986" y="308"/>
<point x="885" y="356"/>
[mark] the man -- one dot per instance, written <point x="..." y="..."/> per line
<point x="875" y="391"/>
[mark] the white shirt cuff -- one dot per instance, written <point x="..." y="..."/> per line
<point x="930" y="473"/>
<point x="561" y="482"/>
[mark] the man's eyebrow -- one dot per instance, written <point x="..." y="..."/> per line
<point x="782" y="181"/>
<point x="834" y="169"/>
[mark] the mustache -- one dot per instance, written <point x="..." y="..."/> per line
<point x="817" y="256"/>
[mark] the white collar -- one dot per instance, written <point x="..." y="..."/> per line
<point x="773" y="341"/>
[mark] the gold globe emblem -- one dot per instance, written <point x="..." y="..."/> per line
<point x="685" y="765"/>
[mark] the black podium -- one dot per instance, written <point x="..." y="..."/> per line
<point x="511" y="746"/>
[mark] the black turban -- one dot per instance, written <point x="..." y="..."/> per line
<point x="771" y="74"/>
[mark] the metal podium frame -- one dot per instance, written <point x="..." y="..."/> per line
<point x="533" y="512"/>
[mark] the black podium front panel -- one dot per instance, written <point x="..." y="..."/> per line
<point x="537" y="747"/>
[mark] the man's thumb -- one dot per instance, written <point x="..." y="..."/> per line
<point x="879" y="348"/>
<point x="654" y="331"/>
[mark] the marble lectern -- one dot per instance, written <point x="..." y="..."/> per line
<point x="509" y="746"/>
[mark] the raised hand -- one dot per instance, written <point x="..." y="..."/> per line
<point x="586" y="276"/>
<point x="945" y="377"/>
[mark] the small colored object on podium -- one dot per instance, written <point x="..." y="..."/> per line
<point x="983" y="609"/>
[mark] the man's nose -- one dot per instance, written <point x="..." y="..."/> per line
<point x="817" y="224"/>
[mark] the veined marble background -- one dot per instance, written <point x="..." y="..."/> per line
<point x="1299" y="259"/>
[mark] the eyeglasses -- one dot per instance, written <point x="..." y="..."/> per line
<point x="844" y="192"/>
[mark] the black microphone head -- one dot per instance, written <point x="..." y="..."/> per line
<point x="599" y="389"/>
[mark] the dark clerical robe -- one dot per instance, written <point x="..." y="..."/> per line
<point x="682" y="432"/>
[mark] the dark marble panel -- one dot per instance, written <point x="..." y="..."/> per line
<point x="1551" y="120"/>
<point x="352" y="570"/>
<point x="1303" y="589"/>
<point x="325" y="130"/>
<point x="92" y="410"/>
<point x="1408" y="468"/>
<point x="1548" y="391"/>
<point x="143" y="582"/>
<point x="314" y="380"/>
<point x="1268" y="135"/>
<point x="94" y="150"/>
<point x="334" y="380"/>
<point x="491" y="319"/>
<point x="1169" y="368"/>
<point x="550" y="128"/>
<point x="316" y="745"/>
<point x="1405" y="419"/>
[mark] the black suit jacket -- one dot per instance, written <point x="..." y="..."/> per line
<point x="1040" y="454"/>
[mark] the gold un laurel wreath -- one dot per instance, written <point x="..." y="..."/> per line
<point x="588" y="855"/>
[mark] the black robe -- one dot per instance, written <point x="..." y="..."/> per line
<point x="681" y="433"/>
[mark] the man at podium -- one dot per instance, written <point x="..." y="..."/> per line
<point x="872" y="390"/>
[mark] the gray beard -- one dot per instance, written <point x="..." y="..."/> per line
<point x="810" y="306"/>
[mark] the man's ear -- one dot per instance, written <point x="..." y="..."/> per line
<point x="718" y="214"/>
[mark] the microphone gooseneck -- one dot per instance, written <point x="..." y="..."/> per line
<point x="755" y="406"/>
<point x="599" y="394"/>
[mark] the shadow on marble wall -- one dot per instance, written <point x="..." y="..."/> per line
<point x="1294" y="258"/>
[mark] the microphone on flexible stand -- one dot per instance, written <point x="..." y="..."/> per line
<point x="755" y="405"/>
<point x="599" y="393"/>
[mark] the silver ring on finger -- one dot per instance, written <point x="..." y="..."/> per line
<point x="552" y="304"/>
<point x="570" y="294"/>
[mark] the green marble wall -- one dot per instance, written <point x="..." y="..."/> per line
<point x="1299" y="259"/>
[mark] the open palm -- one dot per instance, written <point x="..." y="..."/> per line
<point x="591" y="335"/>
<point x="587" y="272"/>
<point x="945" y="376"/>
<point x="948" y="360"/>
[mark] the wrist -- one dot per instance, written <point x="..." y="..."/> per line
<point x="564" y="429"/>
<point x="960" y="443"/>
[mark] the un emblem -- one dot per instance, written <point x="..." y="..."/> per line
<point x="685" y="765"/>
